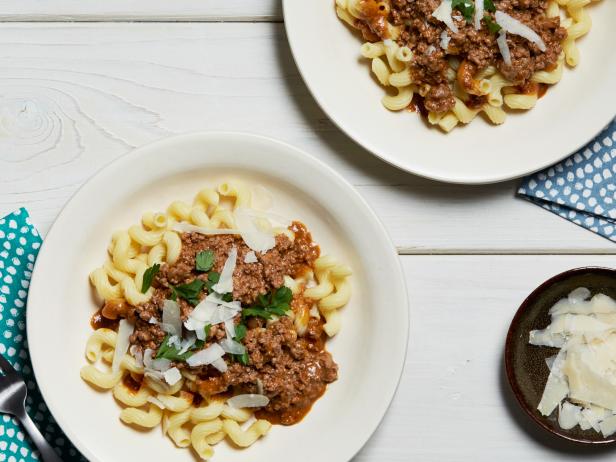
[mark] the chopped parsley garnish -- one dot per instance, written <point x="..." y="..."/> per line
<point x="189" y="292"/>
<point x="206" y="329"/>
<point x="240" y="332"/>
<point x="212" y="278"/>
<point x="492" y="26"/>
<point x="242" y="359"/>
<point x="205" y="260"/>
<point x="488" y="5"/>
<point x="148" y="277"/>
<point x="278" y="302"/>
<point x="171" y="352"/>
<point x="466" y="7"/>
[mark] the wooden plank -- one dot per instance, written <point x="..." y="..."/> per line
<point x="454" y="403"/>
<point x="74" y="97"/>
<point x="141" y="10"/>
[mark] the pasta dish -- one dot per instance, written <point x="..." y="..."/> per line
<point x="451" y="60"/>
<point x="214" y="319"/>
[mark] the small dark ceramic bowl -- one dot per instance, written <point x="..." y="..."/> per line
<point x="525" y="364"/>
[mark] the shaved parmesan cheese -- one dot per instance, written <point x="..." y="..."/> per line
<point x="173" y="376"/>
<point x="187" y="343"/>
<point x="202" y="312"/>
<point x="225" y="284"/>
<point x="215" y="298"/>
<point x="582" y="380"/>
<point x="569" y="416"/>
<point x="206" y="356"/>
<point x="251" y="257"/>
<point x="230" y="328"/>
<point x="578" y="295"/>
<point x="156" y="401"/>
<point x="608" y="426"/>
<point x="443" y="13"/>
<point x="171" y="318"/>
<point x="147" y="358"/>
<point x="503" y="47"/>
<point x="550" y="361"/>
<point x="153" y="320"/>
<point x="125" y="330"/>
<point x="592" y="415"/>
<point x="137" y="354"/>
<point x="479" y="8"/>
<point x="161" y="364"/>
<point x="513" y="26"/>
<point x="445" y="38"/>
<point x="248" y="400"/>
<point x="431" y="49"/>
<point x="556" y="388"/>
<point x="220" y="364"/>
<point x="257" y="239"/>
<point x="599" y="304"/>
<point x="591" y="373"/>
<point x="232" y="347"/>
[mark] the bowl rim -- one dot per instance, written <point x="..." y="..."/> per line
<point x="511" y="375"/>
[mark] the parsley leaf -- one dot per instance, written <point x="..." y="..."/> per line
<point x="206" y="329"/>
<point x="488" y="5"/>
<point x="243" y="358"/>
<point x="171" y="352"/>
<point x="212" y="278"/>
<point x="492" y="26"/>
<point x="466" y="7"/>
<point x="189" y="292"/>
<point x="148" y="277"/>
<point x="205" y="260"/>
<point x="257" y="312"/>
<point x="240" y="332"/>
<point x="278" y="302"/>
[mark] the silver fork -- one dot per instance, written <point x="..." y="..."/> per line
<point x="13" y="393"/>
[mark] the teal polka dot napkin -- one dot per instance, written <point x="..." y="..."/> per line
<point x="581" y="189"/>
<point x="19" y="245"/>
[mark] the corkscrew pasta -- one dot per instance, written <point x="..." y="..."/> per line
<point x="397" y="52"/>
<point x="157" y="381"/>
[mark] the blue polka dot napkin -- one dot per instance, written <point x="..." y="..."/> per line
<point x="19" y="245"/>
<point x="582" y="188"/>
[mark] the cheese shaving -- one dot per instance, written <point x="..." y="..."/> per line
<point x="125" y="330"/>
<point x="443" y="13"/>
<point x="250" y="257"/>
<point x="225" y="284"/>
<point x="513" y="26"/>
<point x="503" y="47"/>
<point x="172" y="376"/>
<point x="479" y="8"/>
<point x="582" y="379"/>
<point x="445" y="39"/>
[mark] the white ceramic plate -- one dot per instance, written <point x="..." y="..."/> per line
<point x="370" y="349"/>
<point x="568" y="116"/>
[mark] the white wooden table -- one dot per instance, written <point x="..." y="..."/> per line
<point x="83" y="82"/>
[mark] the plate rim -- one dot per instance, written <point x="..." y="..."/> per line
<point x="203" y="136"/>
<point x="424" y="173"/>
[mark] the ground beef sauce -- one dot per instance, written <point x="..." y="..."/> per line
<point x="477" y="49"/>
<point x="293" y="370"/>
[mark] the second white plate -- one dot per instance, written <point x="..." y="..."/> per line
<point x="568" y="116"/>
<point x="370" y="349"/>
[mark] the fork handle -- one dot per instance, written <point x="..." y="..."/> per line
<point x="47" y="452"/>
